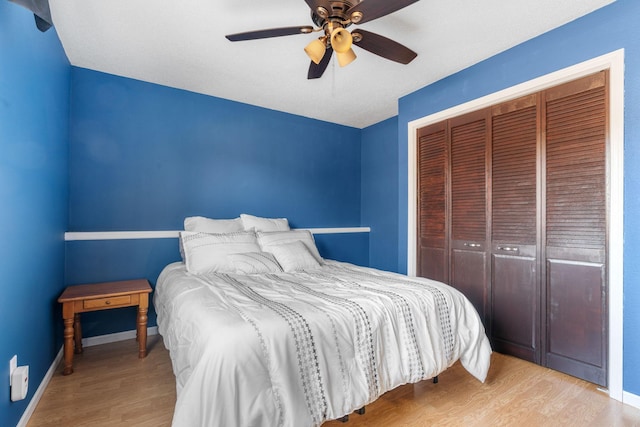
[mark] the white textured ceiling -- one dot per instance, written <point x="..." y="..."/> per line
<point x="181" y="44"/>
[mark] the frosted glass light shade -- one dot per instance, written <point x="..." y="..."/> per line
<point x="341" y="40"/>
<point x="315" y="50"/>
<point x="346" y="58"/>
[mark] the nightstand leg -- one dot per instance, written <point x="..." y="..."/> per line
<point x="77" y="333"/>
<point x="68" y="346"/>
<point x="142" y="332"/>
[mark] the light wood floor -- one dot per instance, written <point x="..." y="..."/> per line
<point x="112" y="387"/>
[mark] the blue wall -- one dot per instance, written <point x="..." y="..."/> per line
<point x="34" y="99"/>
<point x="143" y="156"/>
<point x="606" y="30"/>
<point x="380" y="192"/>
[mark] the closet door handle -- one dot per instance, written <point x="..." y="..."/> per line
<point x="508" y="248"/>
<point x="472" y="245"/>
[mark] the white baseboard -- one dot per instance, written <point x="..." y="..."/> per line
<point x="86" y="342"/>
<point x="31" y="407"/>
<point x="631" y="399"/>
<point x="118" y="336"/>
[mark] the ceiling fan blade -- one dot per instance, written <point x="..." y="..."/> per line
<point x="271" y="32"/>
<point x="41" y="12"/>
<point x="384" y="47"/>
<point x="316" y="70"/>
<point x="374" y="9"/>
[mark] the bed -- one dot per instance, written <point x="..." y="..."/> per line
<point x="264" y="336"/>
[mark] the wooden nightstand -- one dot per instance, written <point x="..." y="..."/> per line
<point x="102" y="296"/>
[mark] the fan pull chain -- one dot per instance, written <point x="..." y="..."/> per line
<point x="333" y="79"/>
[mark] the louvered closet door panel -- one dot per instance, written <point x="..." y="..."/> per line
<point x="468" y="145"/>
<point x="515" y="292"/>
<point x="432" y="172"/>
<point x="576" y="218"/>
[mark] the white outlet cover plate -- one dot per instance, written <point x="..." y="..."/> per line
<point x="13" y="364"/>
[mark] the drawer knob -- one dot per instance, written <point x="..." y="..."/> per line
<point x="107" y="302"/>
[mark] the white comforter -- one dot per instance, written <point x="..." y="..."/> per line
<point x="299" y="349"/>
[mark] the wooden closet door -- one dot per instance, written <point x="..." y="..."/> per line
<point x="468" y="136"/>
<point x="433" y="256"/>
<point x="515" y="294"/>
<point x="575" y="229"/>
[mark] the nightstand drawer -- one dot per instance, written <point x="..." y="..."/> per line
<point x="107" y="302"/>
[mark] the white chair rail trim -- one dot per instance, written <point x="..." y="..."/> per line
<point x="174" y="234"/>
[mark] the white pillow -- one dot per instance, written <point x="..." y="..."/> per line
<point x="208" y="225"/>
<point x="268" y="239"/>
<point x="250" y="222"/>
<point x="206" y="253"/>
<point x="294" y="256"/>
<point x="255" y="262"/>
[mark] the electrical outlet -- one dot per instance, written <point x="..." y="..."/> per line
<point x="13" y="364"/>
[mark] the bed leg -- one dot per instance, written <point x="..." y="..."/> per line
<point x="360" y="411"/>
<point x="344" y="419"/>
<point x="435" y="379"/>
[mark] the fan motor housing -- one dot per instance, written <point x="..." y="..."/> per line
<point x="338" y="12"/>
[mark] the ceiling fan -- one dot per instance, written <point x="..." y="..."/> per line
<point x="332" y="17"/>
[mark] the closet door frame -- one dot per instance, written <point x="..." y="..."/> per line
<point x="614" y="62"/>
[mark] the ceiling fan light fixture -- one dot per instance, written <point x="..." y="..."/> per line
<point x="316" y="49"/>
<point x="341" y="40"/>
<point x="332" y="18"/>
<point x="346" y="58"/>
